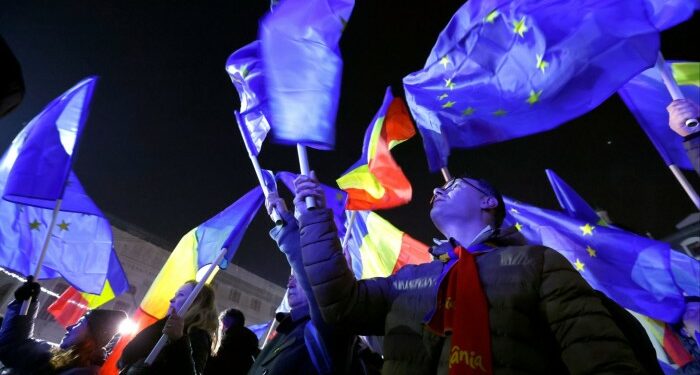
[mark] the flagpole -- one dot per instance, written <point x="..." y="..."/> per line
<point x="273" y="326"/>
<point x="57" y="208"/>
<point x="304" y="167"/>
<point x="675" y="91"/>
<point x="185" y="306"/>
<point x="351" y="222"/>
<point x="256" y="166"/>
<point x="446" y="173"/>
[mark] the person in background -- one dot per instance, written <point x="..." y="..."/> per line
<point x="191" y="338"/>
<point x="81" y="351"/>
<point x="239" y="346"/>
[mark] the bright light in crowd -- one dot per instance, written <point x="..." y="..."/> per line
<point x="127" y="327"/>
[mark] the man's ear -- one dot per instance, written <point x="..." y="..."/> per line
<point x="489" y="203"/>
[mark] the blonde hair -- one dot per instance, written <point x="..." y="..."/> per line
<point x="83" y="354"/>
<point x="202" y="314"/>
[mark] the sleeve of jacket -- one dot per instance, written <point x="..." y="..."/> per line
<point x="692" y="148"/>
<point x="17" y="347"/>
<point x="589" y="339"/>
<point x="360" y="306"/>
<point x="190" y="353"/>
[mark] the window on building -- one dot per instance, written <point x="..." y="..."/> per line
<point x="255" y="304"/>
<point x="132" y="289"/>
<point x="234" y="295"/>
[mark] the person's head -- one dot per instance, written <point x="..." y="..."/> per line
<point x="232" y="318"/>
<point x="295" y="294"/>
<point x="202" y="314"/>
<point x="466" y="200"/>
<point x="83" y="342"/>
<point x="691" y="316"/>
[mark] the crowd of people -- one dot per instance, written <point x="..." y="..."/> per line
<point x="488" y="303"/>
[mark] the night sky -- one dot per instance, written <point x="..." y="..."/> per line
<point x="161" y="151"/>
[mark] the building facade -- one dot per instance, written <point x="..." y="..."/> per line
<point x="142" y="258"/>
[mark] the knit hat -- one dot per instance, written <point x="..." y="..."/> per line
<point x="103" y="324"/>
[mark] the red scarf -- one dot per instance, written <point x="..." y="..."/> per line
<point x="462" y="309"/>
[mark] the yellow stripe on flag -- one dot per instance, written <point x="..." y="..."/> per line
<point x="686" y="73"/>
<point x="362" y="179"/>
<point x="94" y="301"/>
<point x="380" y="250"/>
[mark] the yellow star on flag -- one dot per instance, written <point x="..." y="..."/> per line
<point x="469" y="111"/>
<point x="492" y="16"/>
<point x="518" y="226"/>
<point x="591" y="252"/>
<point x="443" y="96"/>
<point x="63" y="225"/>
<point x="541" y="63"/>
<point x="587" y="230"/>
<point x="579" y="265"/>
<point x="500" y="112"/>
<point x="449" y="104"/>
<point x="444" y="61"/>
<point x="449" y="84"/>
<point x="534" y="97"/>
<point x="519" y="27"/>
<point x="34" y="225"/>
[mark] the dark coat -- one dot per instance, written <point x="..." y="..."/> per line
<point x="22" y="354"/>
<point x="186" y="356"/>
<point x="544" y="318"/>
<point x="238" y="350"/>
<point x="692" y="148"/>
<point x="286" y="353"/>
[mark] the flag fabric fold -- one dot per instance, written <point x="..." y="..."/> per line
<point x="507" y="69"/>
<point x="570" y="201"/>
<point x="378" y="249"/>
<point x="634" y="271"/>
<point x="244" y="67"/>
<point x="376" y="181"/>
<point x="646" y="97"/>
<point x="303" y="69"/>
<point x="35" y="171"/>
<point x="73" y="304"/>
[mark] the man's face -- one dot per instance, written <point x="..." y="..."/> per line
<point x="75" y="334"/>
<point x="295" y="295"/>
<point x="458" y="199"/>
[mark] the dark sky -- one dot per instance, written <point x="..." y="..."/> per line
<point x="161" y="150"/>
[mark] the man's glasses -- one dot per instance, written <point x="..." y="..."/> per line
<point x="451" y="184"/>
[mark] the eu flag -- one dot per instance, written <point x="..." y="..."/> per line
<point x="570" y="201"/>
<point x="34" y="172"/>
<point x="647" y="98"/>
<point x="507" y="69"/>
<point x="244" y="67"/>
<point x="303" y="69"/>
<point x="634" y="271"/>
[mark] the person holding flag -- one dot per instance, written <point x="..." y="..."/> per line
<point x="82" y="350"/>
<point x="488" y="303"/>
<point x="190" y="337"/>
<point x="304" y="343"/>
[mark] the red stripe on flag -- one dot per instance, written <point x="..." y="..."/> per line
<point x="69" y="307"/>
<point x="412" y="252"/>
<point x="398" y="125"/>
<point x="142" y="320"/>
<point x="674" y="348"/>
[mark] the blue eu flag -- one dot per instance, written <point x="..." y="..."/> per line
<point x="507" y="69"/>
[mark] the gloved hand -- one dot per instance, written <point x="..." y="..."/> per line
<point x="29" y="289"/>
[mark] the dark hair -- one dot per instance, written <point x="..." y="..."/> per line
<point x="233" y="317"/>
<point x="500" y="213"/>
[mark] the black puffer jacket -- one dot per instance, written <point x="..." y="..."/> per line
<point x="544" y="318"/>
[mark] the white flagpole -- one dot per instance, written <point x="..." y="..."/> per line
<point x="185" y="306"/>
<point x="304" y="167"/>
<point x="57" y="208"/>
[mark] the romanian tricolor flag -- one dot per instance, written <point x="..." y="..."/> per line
<point x="669" y="350"/>
<point x="194" y="253"/>
<point x="73" y="304"/>
<point x="376" y="181"/>
<point x="379" y="249"/>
